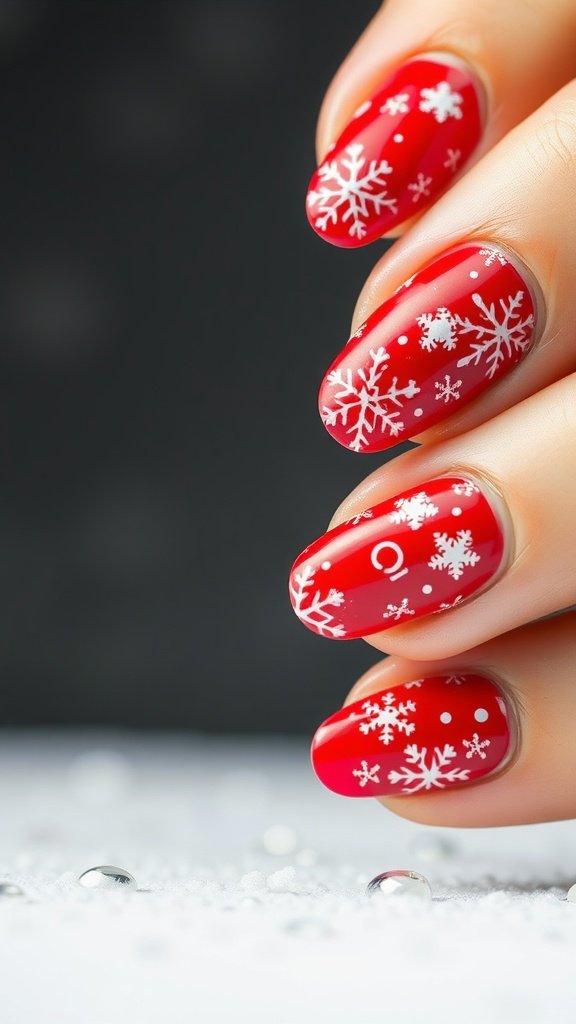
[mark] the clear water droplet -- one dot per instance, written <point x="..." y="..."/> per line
<point x="106" y="876"/>
<point x="400" y="884"/>
<point x="571" y="894"/>
<point x="9" y="889"/>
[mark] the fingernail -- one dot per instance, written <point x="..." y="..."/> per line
<point x="398" y="153"/>
<point x="424" y="551"/>
<point x="421" y="737"/>
<point x="452" y="331"/>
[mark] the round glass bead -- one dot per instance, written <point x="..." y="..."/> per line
<point x="105" y="876"/>
<point x="571" y="894"/>
<point x="400" y="884"/>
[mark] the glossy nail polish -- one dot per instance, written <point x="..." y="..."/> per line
<point x="450" y="332"/>
<point x="421" y="737"/>
<point x="424" y="551"/>
<point x="398" y="153"/>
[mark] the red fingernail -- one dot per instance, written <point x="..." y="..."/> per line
<point x="424" y="736"/>
<point x="424" y="551"/>
<point x="397" y="154"/>
<point x="452" y="331"/>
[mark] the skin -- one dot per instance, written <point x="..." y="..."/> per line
<point x="518" y="439"/>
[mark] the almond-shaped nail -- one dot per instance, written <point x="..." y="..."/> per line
<point x="397" y="154"/>
<point x="421" y="737"/>
<point x="424" y="551"/>
<point x="452" y="331"/>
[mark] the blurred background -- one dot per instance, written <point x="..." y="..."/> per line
<point x="165" y="317"/>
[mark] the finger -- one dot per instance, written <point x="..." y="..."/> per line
<point x="478" y="528"/>
<point x="427" y="86"/>
<point x="501" y="298"/>
<point x="490" y="733"/>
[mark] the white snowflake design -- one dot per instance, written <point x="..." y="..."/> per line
<point x="452" y="159"/>
<point x="413" y="511"/>
<point x="457" y="680"/>
<point x="428" y="772"/>
<point x="313" y="608"/>
<point x="367" y="514"/>
<point x="348" y="189"/>
<point x="388" y="718"/>
<point x="454" y="553"/>
<point x="358" y="332"/>
<point x="492" y="253"/>
<point x="441" y="101"/>
<point x="475" y="746"/>
<point x="466" y="488"/>
<point x="415" y="684"/>
<point x="367" y="406"/>
<point x="420" y="187"/>
<point x="396" y="104"/>
<point x="438" y="328"/>
<point x="447" y="605"/>
<point x="396" y="611"/>
<point x="500" y="335"/>
<point x="405" y="284"/>
<point x="447" y="389"/>
<point x="364" y="774"/>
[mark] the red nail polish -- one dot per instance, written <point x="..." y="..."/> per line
<point x="450" y="332"/>
<point x="398" y="153"/>
<point x="424" y="551"/>
<point x="422" y="737"/>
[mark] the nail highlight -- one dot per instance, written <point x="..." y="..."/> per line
<point x="424" y="551"/>
<point x="397" y="154"/>
<point x="427" y="735"/>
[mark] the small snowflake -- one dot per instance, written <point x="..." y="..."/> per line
<point x="396" y="104"/>
<point x="499" y="336"/>
<point x="492" y="254"/>
<point x="414" y="510"/>
<point x="347" y="189"/>
<point x="442" y="102"/>
<point x="396" y="611"/>
<point x="447" y="605"/>
<point x="452" y="159"/>
<point x="364" y="403"/>
<point x="457" y="680"/>
<point x="387" y="717"/>
<point x="420" y="187"/>
<point x="367" y="514"/>
<point x="428" y="772"/>
<point x="466" y="488"/>
<point x="447" y="389"/>
<point x="405" y="284"/>
<point x="358" y="332"/>
<point x="454" y="553"/>
<point x="313" y="609"/>
<point x="476" y="747"/>
<point x="438" y="328"/>
<point x="416" y="684"/>
<point x="364" y="774"/>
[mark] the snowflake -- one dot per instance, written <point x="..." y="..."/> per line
<point x="364" y="774"/>
<point x="367" y="514"/>
<point x="438" y="328"/>
<point x="476" y="747"/>
<point x="417" y="683"/>
<point x="396" y="104"/>
<point x="492" y="254"/>
<point x="497" y="339"/>
<point x="426" y="776"/>
<point x="313" y="609"/>
<point x="466" y="488"/>
<point x="396" y="611"/>
<point x="346" y="189"/>
<point x="452" y="159"/>
<point x="442" y="102"/>
<point x="447" y="605"/>
<point x="414" y="510"/>
<point x="388" y="718"/>
<point x="405" y="284"/>
<point x="448" y="390"/>
<point x="420" y="187"/>
<point x="366" y="404"/>
<point x="457" y="680"/>
<point x="359" y="332"/>
<point x="453" y="553"/>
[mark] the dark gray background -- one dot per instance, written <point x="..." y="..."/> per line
<point x="165" y="317"/>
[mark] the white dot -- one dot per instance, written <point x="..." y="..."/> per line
<point x="474" y="274"/>
<point x="402" y="340"/>
<point x="445" y="718"/>
<point x="456" y="511"/>
<point x="481" y="714"/>
<point x="399" y="137"/>
<point x="418" y="412"/>
<point x="326" y="565"/>
<point x="426" y="589"/>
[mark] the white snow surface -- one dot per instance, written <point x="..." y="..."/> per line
<point x="222" y="930"/>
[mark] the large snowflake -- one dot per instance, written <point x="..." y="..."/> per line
<point x="438" y="328"/>
<point x="476" y="746"/>
<point x="413" y="511"/>
<point x="499" y="334"/>
<point x="363" y="402"/>
<point x="453" y="554"/>
<point x="312" y="608"/>
<point x="441" y="101"/>
<point x="427" y="771"/>
<point x="348" y="189"/>
<point x="364" y="774"/>
<point x="388" y="717"/>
